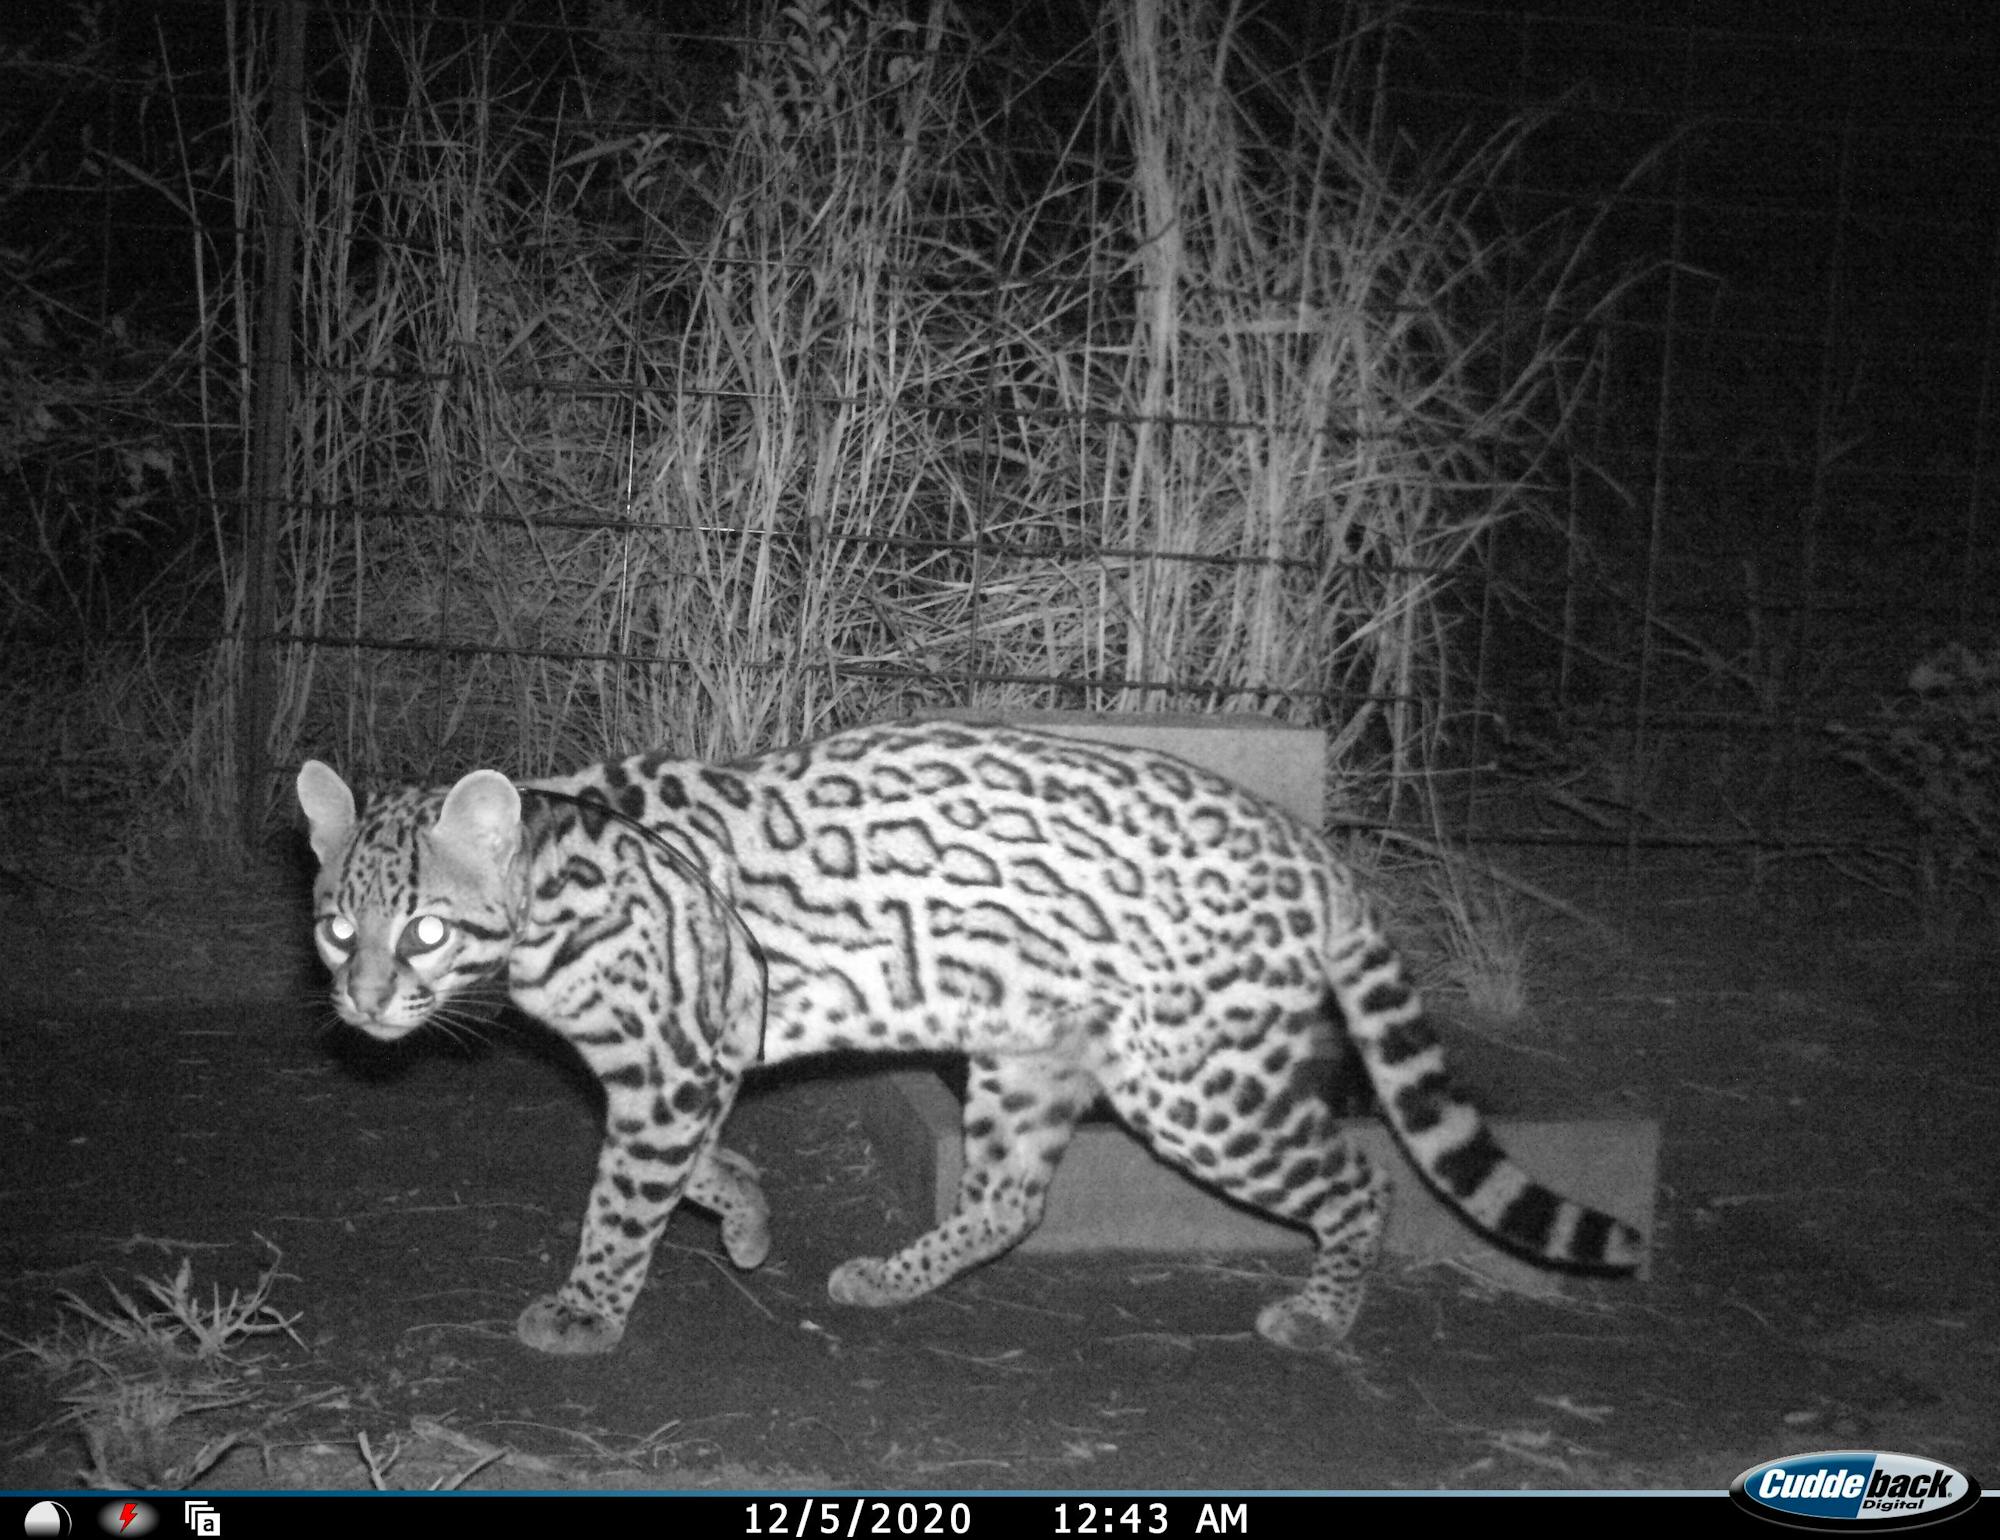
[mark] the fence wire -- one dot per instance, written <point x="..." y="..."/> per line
<point x="1779" y="491"/>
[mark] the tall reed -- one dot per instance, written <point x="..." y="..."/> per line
<point x="895" y="375"/>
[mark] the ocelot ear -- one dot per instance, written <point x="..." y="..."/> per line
<point x="329" y="807"/>
<point x="482" y="814"/>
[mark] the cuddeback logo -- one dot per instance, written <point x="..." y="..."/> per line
<point x="1855" y="1488"/>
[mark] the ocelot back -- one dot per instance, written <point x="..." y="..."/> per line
<point x="1075" y="918"/>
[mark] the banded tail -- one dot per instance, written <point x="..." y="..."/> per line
<point x="1445" y="1136"/>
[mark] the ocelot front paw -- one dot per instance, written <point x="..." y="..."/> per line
<point x="1299" y="1324"/>
<point x="747" y="1239"/>
<point x="746" y="1225"/>
<point x="550" y="1326"/>
<point x="862" y="1281"/>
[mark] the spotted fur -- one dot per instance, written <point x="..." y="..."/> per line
<point x="1077" y="919"/>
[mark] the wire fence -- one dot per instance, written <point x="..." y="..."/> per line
<point x="1794" y="417"/>
<point x="1776" y="495"/>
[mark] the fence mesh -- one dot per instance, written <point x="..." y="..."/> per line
<point x="1762" y="499"/>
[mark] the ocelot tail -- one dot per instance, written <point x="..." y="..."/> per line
<point x="1078" y="920"/>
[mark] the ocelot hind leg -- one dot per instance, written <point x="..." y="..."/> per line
<point x="1281" y="1151"/>
<point x="725" y="1183"/>
<point x="1019" y="1114"/>
<point x="1344" y="1200"/>
<point x="655" y="1151"/>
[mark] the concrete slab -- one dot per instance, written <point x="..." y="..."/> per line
<point x="1112" y="1194"/>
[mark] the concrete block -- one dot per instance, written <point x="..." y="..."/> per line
<point x="1112" y="1194"/>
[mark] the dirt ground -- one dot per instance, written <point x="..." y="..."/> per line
<point x="1825" y="1246"/>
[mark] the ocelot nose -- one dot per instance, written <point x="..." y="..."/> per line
<point x="371" y="986"/>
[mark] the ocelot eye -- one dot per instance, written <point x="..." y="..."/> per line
<point x="426" y="933"/>
<point x="337" y="932"/>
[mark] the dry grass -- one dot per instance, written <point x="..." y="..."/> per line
<point x="881" y="373"/>
<point x="892" y="379"/>
<point x="131" y="1373"/>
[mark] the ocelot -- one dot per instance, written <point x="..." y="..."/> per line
<point x="1078" y="920"/>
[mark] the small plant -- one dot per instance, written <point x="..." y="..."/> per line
<point x="128" y="1374"/>
<point x="183" y="1328"/>
<point x="1935" y="747"/>
<point x="1463" y="928"/>
<point x="1486" y="950"/>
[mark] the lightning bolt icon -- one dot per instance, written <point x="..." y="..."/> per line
<point x="131" y="1512"/>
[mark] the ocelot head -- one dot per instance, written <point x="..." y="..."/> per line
<point x="415" y="902"/>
